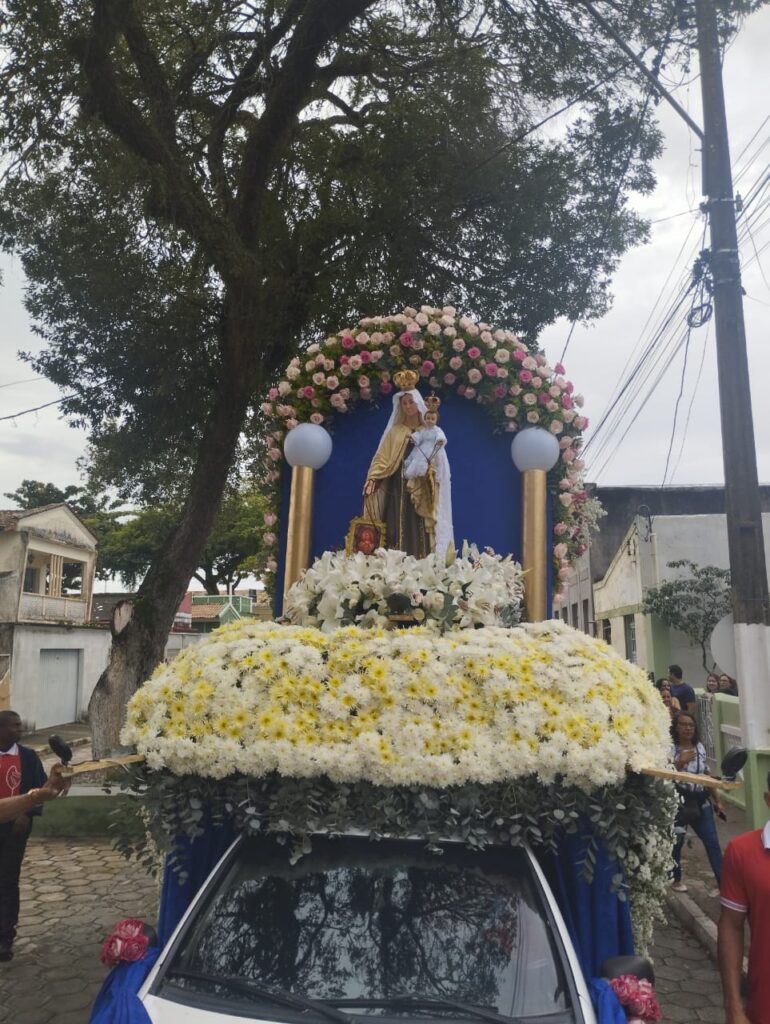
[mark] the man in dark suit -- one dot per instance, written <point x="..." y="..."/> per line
<point x="20" y="771"/>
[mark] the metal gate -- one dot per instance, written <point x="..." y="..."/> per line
<point x="58" y="690"/>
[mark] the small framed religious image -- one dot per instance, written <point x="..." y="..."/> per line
<point x="364" y="535"/>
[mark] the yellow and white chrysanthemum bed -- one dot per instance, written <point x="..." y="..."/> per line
<point x="401" y="707"/>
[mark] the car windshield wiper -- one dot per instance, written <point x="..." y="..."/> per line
<point x="424" y="1002"/>
<point x="271" y="995"/>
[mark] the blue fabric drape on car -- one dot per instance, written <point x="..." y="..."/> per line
<point x="598" y="921"/>
<point x="117" y="1002"/>
<point x="195" y="858"/>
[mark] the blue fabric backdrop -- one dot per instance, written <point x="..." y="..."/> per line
<point x="598" y="922"/>
<point x="486" y="488"/>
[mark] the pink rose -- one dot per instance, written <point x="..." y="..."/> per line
<point x="433" y="328"/>
<point x="537" y="382"/>
<point x="266" y="408"/>
<point x="525" y="376"/>
<point x="362" y="338"/>
<point x="474" y="352"/>
<point x="533" y="417"/>
<point x="414" y="360"/>
<point x="514" y="390"/>
<point x="530" y="399"/>
<point x="470" y="393"/>
<point x="273" y="393"/>
<point x="520" y="355"/>
<point x="348" y="342"/>
<point x="543" y="398"/>
<point x="332" y="383"/>
<point x="274" y="454"/>
<point x="345" y="370"/>
<point x="284" y="388"/>
<point x="461" y="389"/>
<point x="560" y="551"/>
<point x="270" y="518"/>
<point x="395" y="351"/>
<point x="271" y="565"/>
<point x="458" y="344"/>
<point x="560" y="529"/>
<point x="511" y="426"/>
<point x="427" y="367"/>
<point x="502" y="355"/>
<point x="355" y="363"/>
<point x="556" y="427"/>
<point x="344" y="360"/>
<point x="502" y="373"/>
<point x="386" y="387"/>
<point x="491" y="370"/>
<point x="316" y="418"/>
<point x="455" y="362"/>
<point x="559" y="369"/>
<point x="307" y="392"/>
<point x="365" y="356"/>
<point x="580" y="422"/>
<point x="318" y="378"/>
<point x="363" y="381"/>
<point x="406" y="339"/>
<point x="112" y="947"/>
<point x="474" y="376"/>
<point x="436" y="355"/>
<point x="375" y="356"/>
<point x="449" y="378"/>
<point x="566" y="401"/>
<point x="337" y="401"/>
<point x="500" y="391"/>
<point x="510" y="411"/>
<point x="566" y="500"/>
<point x="269" y="538"/>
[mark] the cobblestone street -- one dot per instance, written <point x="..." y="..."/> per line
<point x="72" y="894"/>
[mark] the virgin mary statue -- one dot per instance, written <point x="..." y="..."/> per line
<point x="417" y="512"/>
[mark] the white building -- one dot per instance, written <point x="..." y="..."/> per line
<point x="644" y="530"/>
<point x="50" y="658"/>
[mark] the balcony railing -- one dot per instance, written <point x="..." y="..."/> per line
<point x="41" y="607"/>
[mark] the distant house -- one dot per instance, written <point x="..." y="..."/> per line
<point x="50" y="657"/>
<point x="209" y="611"/>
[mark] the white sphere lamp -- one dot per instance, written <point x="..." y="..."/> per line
<point x="534" y="448"/>
<point x="308" y="444"/>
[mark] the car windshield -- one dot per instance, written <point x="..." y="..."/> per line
<point x="357" y="923"/>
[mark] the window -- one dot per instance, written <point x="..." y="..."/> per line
<point x="356" y="923"/>
<point x="629" y="632"/>
<point x="575" y="622"/>
<point x="72" y="579"/>
<point x="586" y="623"/>
<point x="31" y="580"/>
<point x="606" y="631"/>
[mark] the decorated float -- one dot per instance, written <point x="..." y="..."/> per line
<point x="412" y="687"/>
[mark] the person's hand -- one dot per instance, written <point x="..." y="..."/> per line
<point x="717" y="804"/>
<point x="682" y="761"/>
<point x="369" y="487"/>
<point x="56" y="784"/>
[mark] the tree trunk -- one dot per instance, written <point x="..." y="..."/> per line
<point x="140" y="631"/>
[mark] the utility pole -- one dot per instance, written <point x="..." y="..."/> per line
<point x="748" y="571"/>
<point x="751" y="611"/>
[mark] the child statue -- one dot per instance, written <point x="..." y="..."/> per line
<point x="427" y="441"/>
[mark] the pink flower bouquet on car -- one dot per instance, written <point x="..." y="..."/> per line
<point x="637" y="997"/>
<point x="127" y="943"/>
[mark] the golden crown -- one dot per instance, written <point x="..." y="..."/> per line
<point x="432" y="402"/>
<point x="406" y="380"/>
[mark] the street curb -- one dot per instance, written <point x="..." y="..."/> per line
<point x="698" y="924"/>
<point x="79" y="741"/>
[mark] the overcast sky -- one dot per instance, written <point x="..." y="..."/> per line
<point x="41" y="446"/>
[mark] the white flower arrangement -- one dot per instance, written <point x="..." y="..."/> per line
<point x="401" y="708"/>
<point x="475" y="589"/>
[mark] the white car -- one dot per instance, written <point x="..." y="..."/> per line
<point x="357" y="928"/>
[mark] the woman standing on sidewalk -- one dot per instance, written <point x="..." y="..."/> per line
<point x="697" y="808"/>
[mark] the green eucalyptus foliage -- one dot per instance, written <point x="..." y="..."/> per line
<point x="626" y="818"/>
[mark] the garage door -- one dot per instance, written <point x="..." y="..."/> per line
<point x="58" y="693"/>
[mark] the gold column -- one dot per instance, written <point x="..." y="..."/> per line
<point x="300" y="524"/>
<point x="534" y="544"/>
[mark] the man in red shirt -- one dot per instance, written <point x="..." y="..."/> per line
<point x="745" y="893"/>
<point x="20" y="771"/>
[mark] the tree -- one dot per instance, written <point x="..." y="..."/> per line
<point x="692" y="603"/>
<point x="233" y="550"/>
<point x="194" y="187"/>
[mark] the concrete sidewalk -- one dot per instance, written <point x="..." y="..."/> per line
<point x="696" y="909"/>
